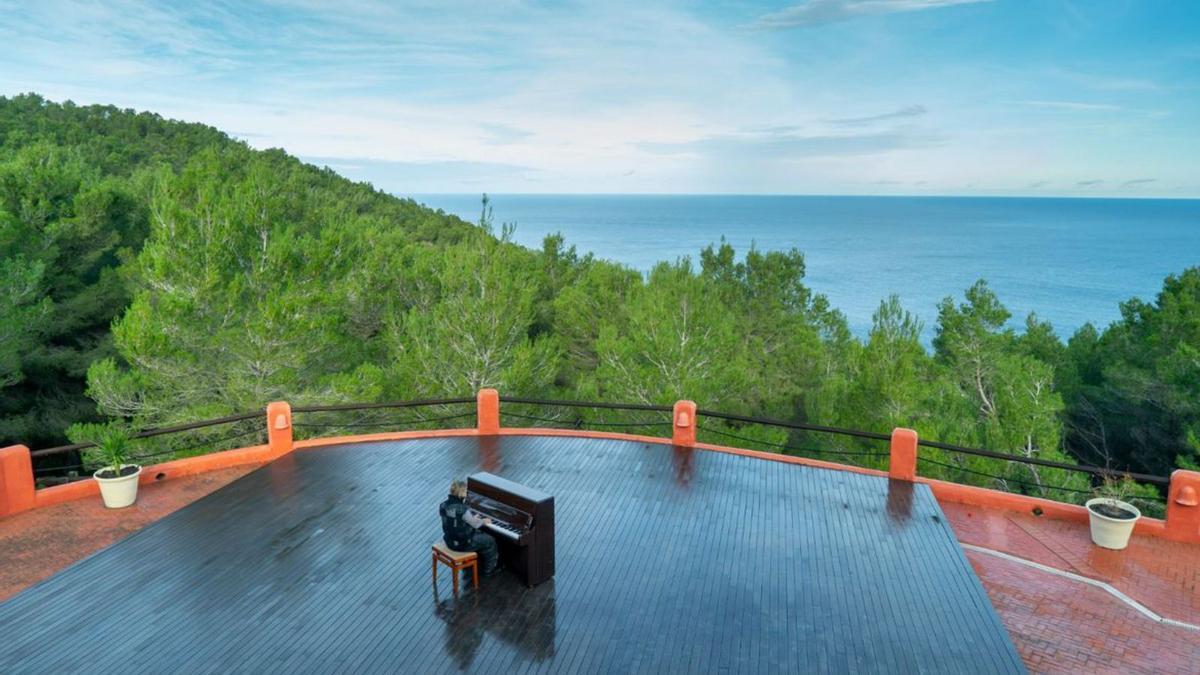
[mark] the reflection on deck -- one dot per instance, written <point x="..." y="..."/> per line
<point x="668" y="559"/>
<point x="529" y="625"/>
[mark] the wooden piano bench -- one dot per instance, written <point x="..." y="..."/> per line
<point x="456" y="561"/>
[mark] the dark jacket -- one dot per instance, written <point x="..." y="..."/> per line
<point x="455" y="529"/>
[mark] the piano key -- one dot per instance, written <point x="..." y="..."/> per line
<point x="503" y="531"/>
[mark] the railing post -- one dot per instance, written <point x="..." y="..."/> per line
<point x="487" y="404"/>
<point x="1183" y="506"/>
<point x="16" y="480"/>
<point x="279" y="428"/>
<point x="683" y="424"/>
<point x="902" y="464"/>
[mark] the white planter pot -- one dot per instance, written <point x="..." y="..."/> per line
<point x="119" y="492"/>
<point x="1109" y="532"/>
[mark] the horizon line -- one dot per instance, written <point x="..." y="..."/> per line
<point x="800" y="194"/>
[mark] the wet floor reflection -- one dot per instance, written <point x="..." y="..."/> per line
<point x="281" y="475"/>
<point x="899" y="501"/>
<point x="489" y="454"/>
<point x="683" y="460"/>
<point x="502" y="609"/>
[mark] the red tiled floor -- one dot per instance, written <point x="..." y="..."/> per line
<point x="1065" y="626"/>
<point x="36" y="544"/>
<point x="1162" y="575"/>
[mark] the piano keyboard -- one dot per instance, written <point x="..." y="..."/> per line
<point x="501" y="528"/>
<point x="504" y="530"/>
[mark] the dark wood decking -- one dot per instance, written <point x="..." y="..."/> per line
<point x="668" y="560"/>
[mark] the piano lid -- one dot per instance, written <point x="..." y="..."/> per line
<point x="497" y="509"/>
<point x="505" y="485"/>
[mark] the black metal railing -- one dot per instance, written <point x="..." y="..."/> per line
<point x="312" y="421"/>
<point x="955" y="471"/>
<point x="856" y="446"/>
<point x="601" y="405"/>
<point x="860" y="448"/>
<point x="417" y="403"/>
<point x="801" y="426"/>
<point x="735" y="421"/>
<point x="652" y="420"/>
<point x="1100" y="471"/>
<point x="159" y="431"/>
<point x="948" y="447"/>
<point x="848" y="455"/>
<point x="1003" y="478"/>
<point x="243" y="430"/>
<point x="67" y="463"/>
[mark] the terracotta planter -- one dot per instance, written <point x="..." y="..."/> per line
<point x="119" y="492"/>
<point x="1109" y="531"/>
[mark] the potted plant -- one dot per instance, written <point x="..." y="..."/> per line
<point x="118" y="478"/>
<point x="1111" y="516"/>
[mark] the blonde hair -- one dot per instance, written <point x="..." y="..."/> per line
<point x="458" y="488"/>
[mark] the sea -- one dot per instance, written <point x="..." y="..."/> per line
<point x="1070" y="261"/>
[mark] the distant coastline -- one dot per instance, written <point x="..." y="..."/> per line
<point x="1070" y="264"/>
<point x="435" y="195"/>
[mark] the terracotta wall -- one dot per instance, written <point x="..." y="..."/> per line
<point x="17" y="491"/>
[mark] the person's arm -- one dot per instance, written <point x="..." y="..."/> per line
<point x="474" y="520"/>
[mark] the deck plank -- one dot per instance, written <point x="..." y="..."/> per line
<point x="668" y="560"/>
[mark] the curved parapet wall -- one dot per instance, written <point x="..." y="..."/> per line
<point x="18" y="493"/>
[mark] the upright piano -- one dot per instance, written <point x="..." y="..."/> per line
<point x="522" y="524"/>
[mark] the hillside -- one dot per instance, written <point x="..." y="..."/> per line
<point x="159" y="271"/>
<point x="77" y="186"/>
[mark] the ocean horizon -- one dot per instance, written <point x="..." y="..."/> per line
<point x="1069" y="260"/>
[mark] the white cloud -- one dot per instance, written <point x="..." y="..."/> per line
<point x="816" y="12"/>
<point x="791" y="146"/>
<point x="427" y="177"/>
<point x="906" y="112"/>
<point x="1071" y="105"/>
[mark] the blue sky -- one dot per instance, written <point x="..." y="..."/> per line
<point x="1025" y="97"/>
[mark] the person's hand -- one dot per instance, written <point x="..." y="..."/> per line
<point x="487" y="521"/>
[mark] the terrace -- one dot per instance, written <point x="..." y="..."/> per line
<point x="672" y="554"/>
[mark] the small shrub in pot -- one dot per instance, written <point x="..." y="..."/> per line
<point x="118" y="478"/>
<point x="1111" y="517"/>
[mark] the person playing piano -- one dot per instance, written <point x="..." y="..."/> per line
<point x="460" y="528"/>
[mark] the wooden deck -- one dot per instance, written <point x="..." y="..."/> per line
<point x="668" y="560"/>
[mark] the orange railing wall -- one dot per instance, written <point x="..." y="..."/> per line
<point x="18" y="492"/>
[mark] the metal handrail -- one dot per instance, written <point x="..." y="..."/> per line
<point x="745" y="419"/>
<point x="1037" y="461"/>
<point x="587" y="404"/>
<point x="229" y="419"/>
<point x="949" y="447"/>
<point x="390" y="404"/>
<point x="873" y="435"/>
<point x="156" y="432"/>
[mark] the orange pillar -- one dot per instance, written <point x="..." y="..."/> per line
<point x="903" y="462"/>
<point x="16" y="480"/>
<point x="683" y="427"/>
<point x="279" y="428"/>
<point x="1183" y="506"/>
<point x="487" y="404"/>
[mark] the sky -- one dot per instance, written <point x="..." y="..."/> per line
<point x="958" y="97"/>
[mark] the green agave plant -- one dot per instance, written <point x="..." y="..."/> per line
<point x="112" y="444"/>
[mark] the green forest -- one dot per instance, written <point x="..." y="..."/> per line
<point x="161" y="272"/>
